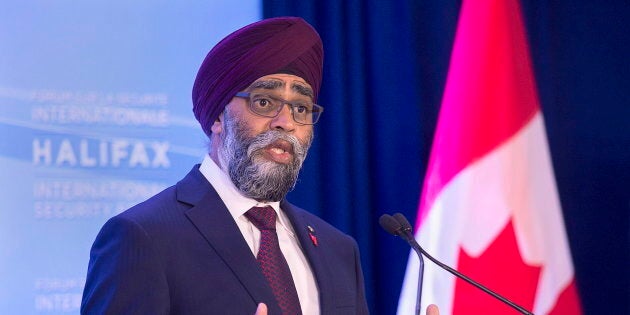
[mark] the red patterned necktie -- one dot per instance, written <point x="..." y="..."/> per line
<point x="274" y="266"/>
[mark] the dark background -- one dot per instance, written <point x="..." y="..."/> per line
<point x="384" y="75"/>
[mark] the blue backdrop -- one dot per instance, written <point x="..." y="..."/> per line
<point x="95" y="116"/>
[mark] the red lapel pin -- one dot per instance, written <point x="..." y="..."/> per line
<point x="311" y="234"/>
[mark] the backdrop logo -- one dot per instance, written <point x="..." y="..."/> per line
<point x="68" y="152"/>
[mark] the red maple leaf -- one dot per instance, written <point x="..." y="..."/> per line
<point x="501" y="269"/>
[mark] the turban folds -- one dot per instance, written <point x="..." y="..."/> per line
<point x="277" y="45"/>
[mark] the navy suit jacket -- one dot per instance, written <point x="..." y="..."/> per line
<point x="180" y="252"/>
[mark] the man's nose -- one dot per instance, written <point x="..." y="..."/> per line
<point x="284" y="119"/>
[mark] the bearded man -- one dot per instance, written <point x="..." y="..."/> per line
<point x="224" y="240"/>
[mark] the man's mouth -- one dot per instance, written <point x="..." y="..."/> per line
<point x="280" y="151"/>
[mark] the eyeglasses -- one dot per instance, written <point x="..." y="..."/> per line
<point x="305" y="113"/>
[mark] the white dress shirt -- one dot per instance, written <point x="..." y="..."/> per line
<point x="238" y="204"/>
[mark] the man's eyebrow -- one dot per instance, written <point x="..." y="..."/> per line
<point x="266" y="85"/>
<point x="302" y="89"/>
<point x="276" y="84"/>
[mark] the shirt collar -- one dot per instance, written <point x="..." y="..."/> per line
<point x="233" y="199"/>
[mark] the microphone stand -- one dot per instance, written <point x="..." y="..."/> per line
<point x="406" y="233"/>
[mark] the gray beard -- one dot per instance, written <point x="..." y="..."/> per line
<point x="255" y="176"/>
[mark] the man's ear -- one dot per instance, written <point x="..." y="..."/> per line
<point x="217" y="126"/>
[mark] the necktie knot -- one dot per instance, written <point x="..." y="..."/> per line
<point x="264" y="218"/>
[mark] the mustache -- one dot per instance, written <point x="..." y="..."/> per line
<point x="266" y="138"/>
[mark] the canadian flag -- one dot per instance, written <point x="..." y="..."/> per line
<point x="489" y="205"/>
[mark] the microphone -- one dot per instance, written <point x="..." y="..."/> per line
<point x="402" y="228"/>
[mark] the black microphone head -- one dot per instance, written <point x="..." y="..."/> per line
<point x="402" y="220"/>
<point x="390" y="224"/>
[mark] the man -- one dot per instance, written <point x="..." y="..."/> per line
<point x="199" y="247"/>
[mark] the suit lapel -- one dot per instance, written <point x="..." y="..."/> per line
<point x="213" y="220"/>
<point x="314" y="255"/>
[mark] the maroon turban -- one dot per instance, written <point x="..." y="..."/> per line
<point x="277" y="45"/>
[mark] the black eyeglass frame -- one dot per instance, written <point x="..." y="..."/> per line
<point x="316" y="110"/>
